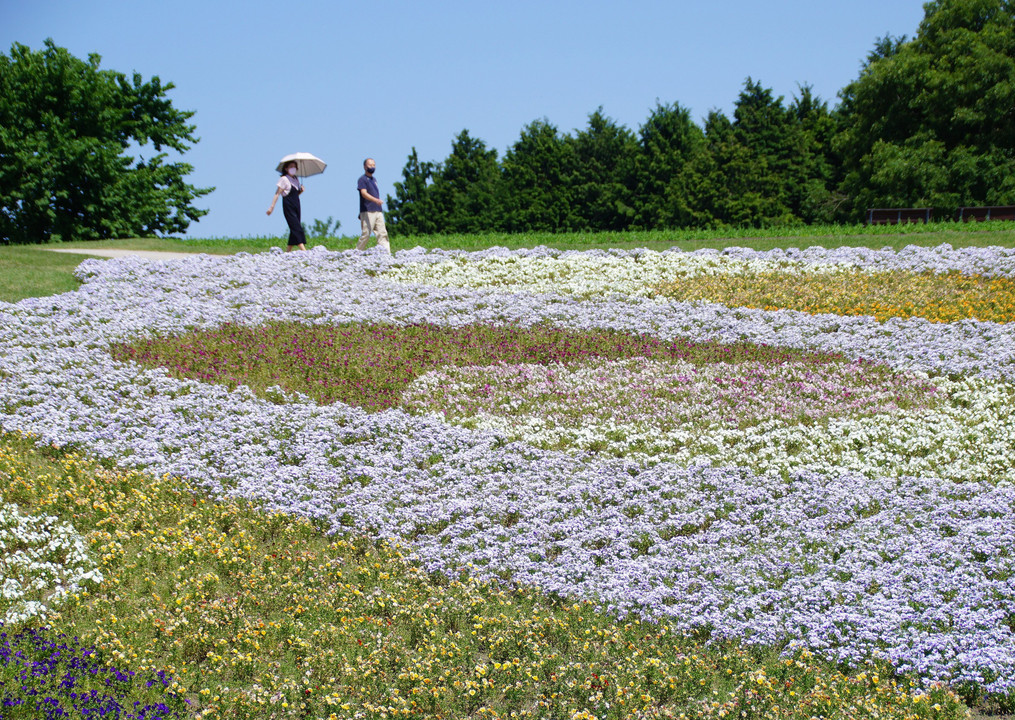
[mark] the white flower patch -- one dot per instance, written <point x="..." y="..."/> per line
<point x="636" y="272"/>
<point x="42" y="562"/>
<point x="773" y="419"/>
<point x="589" y="275"/>
<point x="986" y="261"/>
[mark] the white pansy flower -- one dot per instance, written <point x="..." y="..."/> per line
<point x="40" y="557"/>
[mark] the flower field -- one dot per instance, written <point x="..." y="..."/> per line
<point x="762" y="450"/>
<point x="221" y="609"/>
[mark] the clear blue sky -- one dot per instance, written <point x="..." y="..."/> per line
<point x="346" y="80"/>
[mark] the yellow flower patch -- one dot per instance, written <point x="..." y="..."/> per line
<point x="945" y="297"/>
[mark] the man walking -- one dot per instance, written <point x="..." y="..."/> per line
<point x="371" y="218"/>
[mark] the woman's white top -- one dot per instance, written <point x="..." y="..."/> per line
<point x="285" y="184"/>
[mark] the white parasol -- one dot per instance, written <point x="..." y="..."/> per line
<point x="306" y="164"/>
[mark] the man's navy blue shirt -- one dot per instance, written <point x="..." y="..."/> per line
<point x="370" y="185"/>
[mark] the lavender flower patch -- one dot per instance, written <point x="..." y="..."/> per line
<point x="913" y="566"/>
<point x="344" y="287"/>
<point x="986" y="261"/>
<point x="912" y="570"/>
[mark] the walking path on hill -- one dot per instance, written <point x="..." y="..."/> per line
<point x="150" y="254"/>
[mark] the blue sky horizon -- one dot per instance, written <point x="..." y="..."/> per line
<point x="345" y="80"/>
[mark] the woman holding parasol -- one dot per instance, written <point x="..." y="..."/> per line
<point x="289" y="187"/>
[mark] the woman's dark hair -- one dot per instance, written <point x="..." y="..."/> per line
<point x="285" y="167"/>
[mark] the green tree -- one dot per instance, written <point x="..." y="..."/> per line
<point x="321" y="229"/>
<point x="603" y="183"/>
<point x="732" y="184"/>
<point x="758" y="168"/>
<point x="466" y="188"/>
<point x="65" y="129"/>
<point x="412" y="210"/>
<point x="816" y="199"/>
<point x="770" y="165"/>
<point x="930" y="121"/>
<point x="773" y="134"/>
<point x="538" y="172"/>
<point x="668" y="140"/>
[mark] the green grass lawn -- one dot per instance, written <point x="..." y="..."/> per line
<point x="31" y="271"/>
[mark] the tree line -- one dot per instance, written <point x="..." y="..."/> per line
<point x="929" y="122"/>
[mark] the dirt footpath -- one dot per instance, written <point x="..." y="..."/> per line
<point x="150" y="254"/>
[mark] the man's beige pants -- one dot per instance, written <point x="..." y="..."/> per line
<point x="373" y="222"/>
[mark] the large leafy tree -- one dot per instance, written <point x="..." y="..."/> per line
<point x="814" y="198"/>
<point x="65" y="131"/>
<point x="931" y="121"/>
<point x="756" y="168"/>
<point x="766" y="129"/>
<point x="734" y="183"/>
<point x="771" y="164"/>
